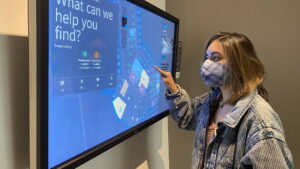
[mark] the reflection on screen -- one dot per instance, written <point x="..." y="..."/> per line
<point x="101" y="76"/>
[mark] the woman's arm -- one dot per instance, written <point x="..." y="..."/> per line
<point x="183" y="109"/>
<point x="270" y="153"/>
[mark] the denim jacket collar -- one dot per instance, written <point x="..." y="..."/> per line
<point x="233" y="118"/>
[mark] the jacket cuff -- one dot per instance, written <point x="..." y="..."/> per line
<point x="171" y="96"/>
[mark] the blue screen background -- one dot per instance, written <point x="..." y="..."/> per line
<point x="101" y="80"/>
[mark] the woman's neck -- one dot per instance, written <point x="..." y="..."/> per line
<point x="226" y="94"/>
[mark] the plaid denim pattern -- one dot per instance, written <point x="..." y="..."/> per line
<point x="250" y="136"/>
<point x="213" y="73"/>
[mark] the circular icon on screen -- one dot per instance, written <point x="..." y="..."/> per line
<point x="96" y="55"/>
<point x="84" y="53"/>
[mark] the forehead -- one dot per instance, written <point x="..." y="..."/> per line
<point x="214" y="47"/>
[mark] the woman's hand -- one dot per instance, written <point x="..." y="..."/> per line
<point x="168" y="80"/>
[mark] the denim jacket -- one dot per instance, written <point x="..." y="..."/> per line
<point x="250" y="136"/>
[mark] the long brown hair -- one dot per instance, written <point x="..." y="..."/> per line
<point x="246" y="72"/>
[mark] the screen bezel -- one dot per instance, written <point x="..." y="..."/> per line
<point x="42" y="39"/>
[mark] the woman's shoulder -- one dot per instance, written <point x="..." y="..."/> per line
<point x="264" y="121"/>
<point x="265" y="114"/>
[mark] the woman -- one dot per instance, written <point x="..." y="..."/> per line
<point x="235" y="127"/>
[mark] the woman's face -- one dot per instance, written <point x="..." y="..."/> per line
<point x="215" y="52"/>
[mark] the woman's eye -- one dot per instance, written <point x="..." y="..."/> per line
<point x="215" y="58"/>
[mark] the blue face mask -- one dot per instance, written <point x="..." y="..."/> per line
<point x="214" y="74"/>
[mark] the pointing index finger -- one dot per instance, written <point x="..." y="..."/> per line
<point x="160" y="71"/>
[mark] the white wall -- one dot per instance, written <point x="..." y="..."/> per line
<point x="159" y="3"/>
<point x="13" y="17"/>
<point x="14" y="102"/>
<point x="148" y="149"/>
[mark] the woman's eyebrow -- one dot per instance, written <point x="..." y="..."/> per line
<point x="212" y="53"/>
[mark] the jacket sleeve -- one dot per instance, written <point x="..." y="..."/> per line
<point x="183" y="109"/>
<point x="270" y="153"/>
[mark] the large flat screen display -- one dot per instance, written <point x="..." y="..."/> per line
<point x="101" y="81"/>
